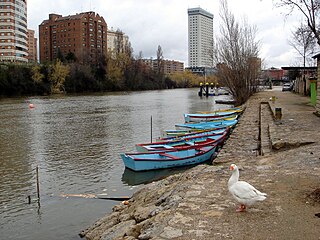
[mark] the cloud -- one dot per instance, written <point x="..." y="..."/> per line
<point x="165" y="23"/>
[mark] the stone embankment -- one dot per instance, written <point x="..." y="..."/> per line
<point x="278" y="157"/>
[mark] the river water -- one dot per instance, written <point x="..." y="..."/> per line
<point x="75" y="142"/>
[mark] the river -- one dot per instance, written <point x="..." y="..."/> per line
<point x="75" y="142"/>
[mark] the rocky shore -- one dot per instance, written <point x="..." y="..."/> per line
<point x="278" y="157"/>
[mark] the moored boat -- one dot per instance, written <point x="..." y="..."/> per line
<point x="175" y="133"/>
<point x="207" y="125"/>
<point x="159" y="160"/>
<point x="238" y="110"/>
<point x="183" y="143"/>
<point x="205" y="117"/>
<point x="194" y="134"/>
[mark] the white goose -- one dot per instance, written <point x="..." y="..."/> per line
<point x="242" y="191"/>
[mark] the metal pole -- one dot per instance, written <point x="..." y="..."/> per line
<point x="151" y="128"/>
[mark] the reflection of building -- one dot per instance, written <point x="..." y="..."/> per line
<point x="169" y="66"/>
<point x="32" y="47"/>
<point x="117" y="41"/>
<point x="200" y="38"/>
<point x="13" y="31"/>
<point x="82" y="36"/>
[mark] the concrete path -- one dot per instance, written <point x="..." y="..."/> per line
<point x="280" y="158"/>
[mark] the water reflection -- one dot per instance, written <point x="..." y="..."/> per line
<point x="133" y="178"/>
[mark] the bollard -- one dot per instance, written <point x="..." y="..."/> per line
<point x="273" y="99"/>
<point x="207" y="89"/>
<point x="278" y="114"/>
<point x="201" y="90"/>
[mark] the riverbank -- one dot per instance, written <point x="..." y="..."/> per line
<point x="280" y="158"/>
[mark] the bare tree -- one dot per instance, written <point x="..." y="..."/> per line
<point x="160" y="60"/>
<point x="236" y="55"/>
<point x="310" y="9"/>
<point x="304" y="43"/>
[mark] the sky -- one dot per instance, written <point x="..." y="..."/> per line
<point x="150" y="23"/>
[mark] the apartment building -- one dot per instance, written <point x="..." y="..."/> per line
<point x="200" y="38"/>
<point x="83" y="36"/>
<point x="169" y="66"/>
<point x="13" y="31"/>
<point x="117" y="41"/>
<point x="32" y="47"/>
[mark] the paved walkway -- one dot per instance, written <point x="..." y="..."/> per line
<point x="281" y="158"/>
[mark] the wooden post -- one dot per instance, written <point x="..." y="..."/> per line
<point x="38" y="185"/>
<point x="207" y="89"/>
<point x="278" y="113"/>
<point x="200" y="91"/>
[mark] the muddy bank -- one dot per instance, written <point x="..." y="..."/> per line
<point x="281" y="158"/>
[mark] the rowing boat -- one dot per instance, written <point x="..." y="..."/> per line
<point x="183" y="143"/>
<point x="194" y="134"/>
<point x="163" y="159"/>
<point x="175" y="133"/>
<point x="207" y="125"/>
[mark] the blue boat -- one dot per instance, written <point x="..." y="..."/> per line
<point x="163" y="159"/>
<point x="183" y="143"/>
<point x="178" y="133"/>
<point x="207" y="125"/>
<point x="183" y="134"/>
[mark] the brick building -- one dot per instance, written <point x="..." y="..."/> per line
<point x="169" y="66"/>
<point x="32" y="47"/>
<point x="83" y="36"/>
<point x="273" y="74"/>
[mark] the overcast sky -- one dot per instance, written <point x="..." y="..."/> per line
<point x="150" y="23"/>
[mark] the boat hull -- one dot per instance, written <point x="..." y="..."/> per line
<point x="206" y="117"/>
<point x="207" y="125"/>
<point x="161" y="160"/>
<point x="183" y="143"/>
<point x="174" y="133"/>
<point x="192" y="134"/>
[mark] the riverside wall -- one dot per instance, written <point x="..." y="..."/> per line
<point x="280" y="157"/>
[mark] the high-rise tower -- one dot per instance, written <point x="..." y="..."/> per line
<point x="200" y="38"/>
<point x="13" y="31"/>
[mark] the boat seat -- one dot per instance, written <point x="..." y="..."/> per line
<point x="168" y="155"/>
<point x="190" y="143"/>
<point x="201" y="150"/>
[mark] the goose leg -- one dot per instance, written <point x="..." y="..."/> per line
<point x="241" y="208"/>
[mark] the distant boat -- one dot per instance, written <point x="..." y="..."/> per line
<point x="159" y="160"/>
<point x="183" y="143"/>
<point x="222" y="101"/>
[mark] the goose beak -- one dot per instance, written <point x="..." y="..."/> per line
<point x="231" y="168"/>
